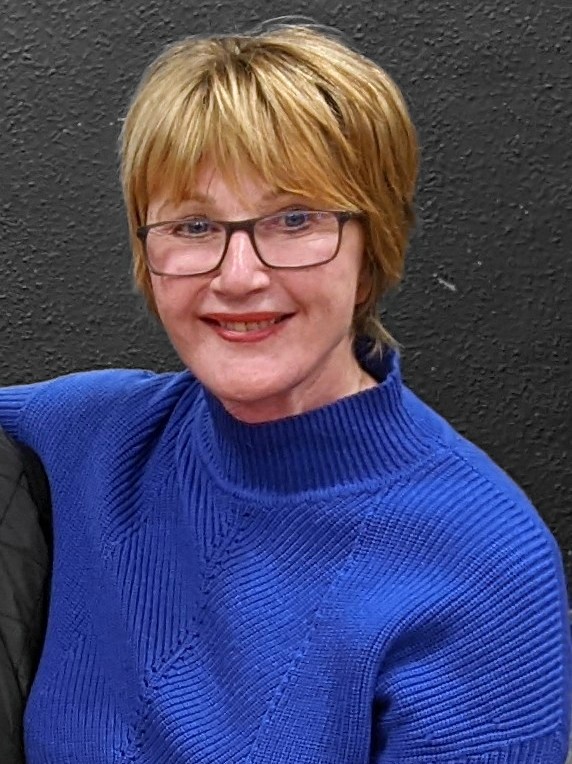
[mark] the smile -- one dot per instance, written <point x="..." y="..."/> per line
<point x="248" y="326"/>
<point x="253" y="327"/>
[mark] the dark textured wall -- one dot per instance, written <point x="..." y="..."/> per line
<point x="485" y="312"/>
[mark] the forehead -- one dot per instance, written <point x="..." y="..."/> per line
<point x="211" y="182"/>
<point x="240" y="189"/>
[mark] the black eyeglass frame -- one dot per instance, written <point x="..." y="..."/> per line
<point x="231" y="226"/>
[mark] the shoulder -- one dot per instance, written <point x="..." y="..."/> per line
<point x="85" y="402"/>
<point x="473" y="525"/>
<point x="475" y="564"/>
<point x="461" y="474"/>
<point x="441" y="471"/>
<point x="106" y="386"/>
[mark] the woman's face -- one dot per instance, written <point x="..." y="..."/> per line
<point x="304" y="360"/>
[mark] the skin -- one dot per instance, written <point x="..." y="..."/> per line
<point x="305" y="361"/>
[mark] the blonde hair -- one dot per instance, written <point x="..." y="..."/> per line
<point x="310" y="115"/>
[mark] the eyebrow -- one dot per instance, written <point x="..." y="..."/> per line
<point x="269" y="196"/>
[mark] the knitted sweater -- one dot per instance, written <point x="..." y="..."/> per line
<point x="354" y="584"/>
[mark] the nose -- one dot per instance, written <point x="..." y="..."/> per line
<point x="241" y="270"/>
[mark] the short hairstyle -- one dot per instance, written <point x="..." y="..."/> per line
<point x="295" y="103"/>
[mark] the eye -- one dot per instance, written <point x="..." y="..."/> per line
<point x="295" y="218"/>
<point x="193" y="227"/>
<point x="289" y="221"/>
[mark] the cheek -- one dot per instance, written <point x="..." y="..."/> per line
<point x="344" y="286"/>
<point x="330" y="298"/>
<point x="174" y="309"/>
<point x="173" y="297"/>
<point x="348" y="281"/>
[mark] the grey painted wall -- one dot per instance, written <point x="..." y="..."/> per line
<point x="485" y="312"/>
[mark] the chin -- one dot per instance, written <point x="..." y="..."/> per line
<point x="241" y="393"/>
<point x="246" y="392"/>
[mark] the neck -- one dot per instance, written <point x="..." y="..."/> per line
<point x="327" y="385"/>
<point x="359" y="437"/>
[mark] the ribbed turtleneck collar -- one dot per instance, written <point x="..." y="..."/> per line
<point x="364" y="436"/>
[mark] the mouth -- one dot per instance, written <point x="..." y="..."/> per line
<point x="244" y="324"/>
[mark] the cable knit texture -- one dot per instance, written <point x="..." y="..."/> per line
<point x="356" y="584"/>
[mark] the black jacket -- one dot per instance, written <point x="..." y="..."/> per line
<point x="25" y="551"/>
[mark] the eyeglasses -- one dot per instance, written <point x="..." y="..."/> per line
<point x="197" y="245"/>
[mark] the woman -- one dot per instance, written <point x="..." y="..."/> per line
<point x="281" y="554"/>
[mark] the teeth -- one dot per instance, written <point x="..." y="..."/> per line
<point x="251" y="326"/>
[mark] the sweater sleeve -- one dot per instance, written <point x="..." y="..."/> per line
<point x="68" y="410"/>
<point x="480" y="671"/>
<point x="13" y="402"/>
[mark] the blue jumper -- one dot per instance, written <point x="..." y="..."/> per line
<point x="357" y="584"/>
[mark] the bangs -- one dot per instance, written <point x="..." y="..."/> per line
<point x="278" y="124"/>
